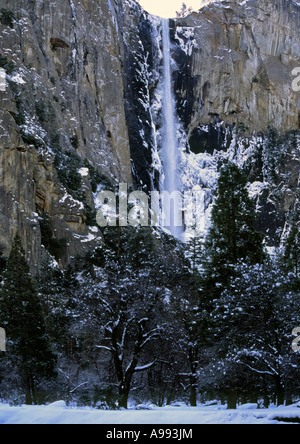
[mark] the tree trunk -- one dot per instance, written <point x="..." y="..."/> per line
<point x="193" y="359"/>
<point x="28" y="396"/>
<point x="232" y="400"/>
<point x="29" y="390"/>
<point x="193" y="392"/>
<point x="279" y="391"/>
<point x="124" y="390"/>
<point x="123" y="397"/>
<point x="266" y="400"/>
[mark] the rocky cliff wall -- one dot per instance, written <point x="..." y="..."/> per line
<point x="64" y="105"/>
<point x="239" y="57"/>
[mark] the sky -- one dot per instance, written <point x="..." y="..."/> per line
<point x="168" y="8"/>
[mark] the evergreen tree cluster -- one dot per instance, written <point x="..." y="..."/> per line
<point x="30" y="357"/>
<point x="147" y="318"/>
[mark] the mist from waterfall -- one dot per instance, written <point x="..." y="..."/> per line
<point x="170" y="150"/>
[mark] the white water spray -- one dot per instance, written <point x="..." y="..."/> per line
<point x="170" y="149"/>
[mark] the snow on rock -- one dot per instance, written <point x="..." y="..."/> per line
<point x="57" y="404"/>
<point x="144" y="407"/>
<point x="84" y="172"/>
<point x="186" y="39"/>
<point x="256" y="188"/>
<point x="17" y="78"/>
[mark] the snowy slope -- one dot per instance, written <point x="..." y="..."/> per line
<point x="57" y="413"/>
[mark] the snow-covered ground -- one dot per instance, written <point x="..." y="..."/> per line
<point x="58" y="413"/>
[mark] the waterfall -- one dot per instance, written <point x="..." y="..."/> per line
<point x="170" y="150"/>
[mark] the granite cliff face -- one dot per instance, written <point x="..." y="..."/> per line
<point x="241" y="59"/>
<point x="82" y="107"/>
<point x="64" y="105"/>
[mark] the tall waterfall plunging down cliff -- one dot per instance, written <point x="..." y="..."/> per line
<point x="170" y="150"/>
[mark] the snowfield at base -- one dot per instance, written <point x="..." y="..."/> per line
<point x="58" y="413"/>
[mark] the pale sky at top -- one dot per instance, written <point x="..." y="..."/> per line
<point x="168" y="8"/>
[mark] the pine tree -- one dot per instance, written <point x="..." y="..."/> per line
<point x="272" y="154"/>
<point x="232" y="238"/>
<point x="253" y="322"/>
<point x="22" y="317"/>
<point x="292" y="251"/>
<point x="195" y="254"/>
<point x="184" y="11"/>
